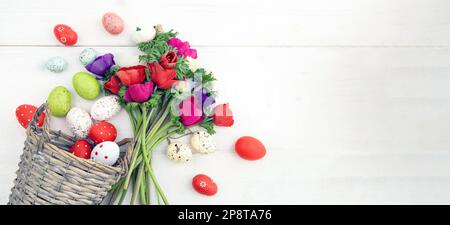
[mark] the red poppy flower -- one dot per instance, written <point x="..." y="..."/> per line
<point x="113" y="85"/>
<point x="131" y="75"/>
<point x="164" y="78"/>
<point x="168" y="60"/>
<point x="223" y="116"/>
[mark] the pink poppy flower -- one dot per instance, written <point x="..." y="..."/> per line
<point x="139" y="92"/>
<point x="191" y="111"/>
<point x="183" y="48"/>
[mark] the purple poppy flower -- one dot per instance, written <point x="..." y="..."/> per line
<point x="206" y="100"/>
<point x="101" y="65"/>
<point x="183" y="48"/>
<point x="139" y="92"/>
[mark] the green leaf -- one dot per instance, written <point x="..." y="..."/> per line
<point x="155" y="48"/>
<point x="182" y="68"/>
<point x="155" y="100"/>
<point x="111" y="72"/>
<point x="180" y="128"/>
<point x="208" y="125"/>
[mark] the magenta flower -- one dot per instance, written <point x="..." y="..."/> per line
<point x="139" y="92"/>
<point x="101" y="65"/>
<point x="191" y="111"/>
<point x="183" y="48"/>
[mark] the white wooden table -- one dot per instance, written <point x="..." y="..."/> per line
<point x="350" y="97"/>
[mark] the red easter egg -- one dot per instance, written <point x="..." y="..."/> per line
<point x="102" y="131"/>
<point x="204" y="185"/>
<point x="24" y="114"/>
<point x="65" y="34"/>
<point x="82" y="149"/>
<point x="250" y="148"/>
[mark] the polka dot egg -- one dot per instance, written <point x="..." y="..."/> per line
<point x="203" y="142"/>
<point x="56" y="64"/>
<point x="102" y="131"/>
<point x="106" y="152"/>
<point x="87" y="56"/>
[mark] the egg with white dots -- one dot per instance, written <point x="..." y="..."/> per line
<point x="179" y="152"/>
<point x="56" y="64"/>
<point x="105" y="108"/>
<point x="79" y="122"/>
<point x="203" y="142"/>
<point x="87" y="56"/>
<point x="106" y="152"/>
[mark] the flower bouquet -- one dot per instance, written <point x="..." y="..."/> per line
<point x="165" y="96"/>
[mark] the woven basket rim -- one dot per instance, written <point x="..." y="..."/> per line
<point x="33" y="129"/>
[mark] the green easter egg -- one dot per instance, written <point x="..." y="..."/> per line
<point x="59" y="101"/>
<point x="86" y="85"/>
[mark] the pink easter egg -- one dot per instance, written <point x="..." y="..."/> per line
<point x="113" y="23"/>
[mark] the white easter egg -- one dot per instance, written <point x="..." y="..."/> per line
<point x="87" y="56"/>
<point x="203" y="142"/>
<point x="106" y="152"/>
<point x="179" y="152"/>
<point x="79" y="122"/>
<point x="56" y="64"/>
<point x="141" y="34"/>
<point x="105" y="108"/>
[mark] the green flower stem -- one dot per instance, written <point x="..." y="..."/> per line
<point x="137" y="149"/>
<point x="142" y="190"/>
<point x="132" y="120"/>
<point x="137" y="185"/>
<point x="141" y="168"/>
<point x="150" y="170"/>
<point x="132" y="164"/>
<point x="149" y="193"/>
<point x="161" y="120"/>
<point x="146" y="141"/>
<point x="151" y="143"/>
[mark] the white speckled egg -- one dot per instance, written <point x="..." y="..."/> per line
<point x="203" y="142"/>
<point x="87" y="56"/>
<point x="106" y="152"/>
<point x="105" y="108"/>
<point x="179" y="152"/>
<point x="79" y="122"/>
<point x="56" y="64"/>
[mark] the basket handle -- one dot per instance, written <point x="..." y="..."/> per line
<point x="124" y="141"/>
<point x="46" y="126"/>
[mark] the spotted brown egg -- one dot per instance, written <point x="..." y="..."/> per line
<point x="79" y="122"/>
<point x="203" y="142"/>
<point x="179" y="152"/>
<point x="105" y="108"/>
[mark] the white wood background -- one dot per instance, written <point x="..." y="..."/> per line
<point x="350" y="97"/>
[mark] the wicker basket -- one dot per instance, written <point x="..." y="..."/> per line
<point x="49" y="174"/>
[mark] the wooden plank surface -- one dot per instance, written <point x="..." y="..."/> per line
<point x="237" y="22"/>
<point x="342" y="125"/>
<point x="350" y="97"/>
